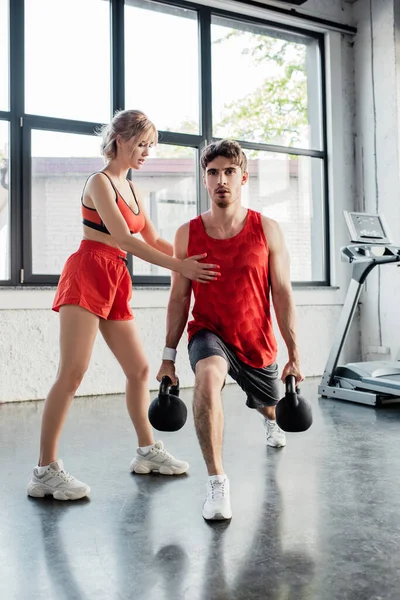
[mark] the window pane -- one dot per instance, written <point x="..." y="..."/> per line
<point x="161" y="64"/>
<point x="67" y="54"/>
<point x="265" y="85"/>
<point x="61" y="163"/>
<point x="167" y="183"/>
<point x="4" y="202"/>
<point x="289" y="189"/>
<point x="4" y="56"/>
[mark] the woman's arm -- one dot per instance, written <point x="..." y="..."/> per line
<point x="103" y="197"/>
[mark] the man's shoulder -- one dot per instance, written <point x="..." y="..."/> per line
<point x="183" y="229"/>
<point x="272" y="232"/>
<point x="268" y="222"/>
<point x="270" y="225"/>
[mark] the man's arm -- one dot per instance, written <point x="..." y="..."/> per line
<point x="282" y="296"/>
<point x="178" y="305"/>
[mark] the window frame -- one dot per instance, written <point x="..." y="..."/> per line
<point x="21" y="125"/>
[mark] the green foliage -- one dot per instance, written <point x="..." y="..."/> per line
<point x="276" y="111"/>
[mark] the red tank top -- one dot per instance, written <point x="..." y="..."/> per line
<point x="237" y="305"/>
<point x="135" y="220"/>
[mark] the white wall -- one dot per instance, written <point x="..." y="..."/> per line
<point x="29" y="329"/>
<point x="377" y="160"/>
<point x="29" y="345"/>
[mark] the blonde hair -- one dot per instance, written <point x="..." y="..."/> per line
<point x="128" y="124"/>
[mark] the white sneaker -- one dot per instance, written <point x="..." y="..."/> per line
<point x="56" y="482"/>
<point x="275" y="435"/>
<point x="218" y="504"/>
<point x="159" y="461"/>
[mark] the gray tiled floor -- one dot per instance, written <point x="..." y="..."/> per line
<point x="317" y="520"/>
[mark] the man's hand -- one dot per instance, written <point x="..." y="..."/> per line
<point x="167" y="368"/>
<point x="292" y="367"/>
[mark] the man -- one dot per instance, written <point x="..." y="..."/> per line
<point x="231" y="330"/>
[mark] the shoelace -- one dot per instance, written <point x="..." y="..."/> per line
<point x="164" y="452"/>
<point x="217" y="491"/>
<point x="273" y="427"/>
<point x="64" y="475"/>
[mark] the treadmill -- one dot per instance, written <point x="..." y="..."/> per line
<point x="375" y="383"/>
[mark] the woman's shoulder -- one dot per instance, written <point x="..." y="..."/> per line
<point x="98" y="183"/>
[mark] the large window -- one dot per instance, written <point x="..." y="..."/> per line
<point x="167" y="185"/>
<point x="4" y="144"/>
<point x="4" y="202"/>
<point x="4" y="55"/>
<point x="266" y="92"/>
<point x="282" y="187"/>
<point x="162" y="64"/>
<point x="200" y="74"/>
<point x="67" y="59"/>
<point x="61" y="163"/>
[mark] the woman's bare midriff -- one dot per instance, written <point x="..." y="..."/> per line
<point x="97" y="236"/>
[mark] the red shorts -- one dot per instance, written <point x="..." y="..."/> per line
<point x="96" y="278"/>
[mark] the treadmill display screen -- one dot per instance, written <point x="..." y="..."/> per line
<point x="366" y="228"/>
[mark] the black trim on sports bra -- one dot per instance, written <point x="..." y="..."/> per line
<point x="87" y="207"/>
<point x="112" y="185"/>
<point x="92" y="225"/>
<point x="134" y="197"/>
<point x="101" y="227"/>
<point x="117" y="193"/>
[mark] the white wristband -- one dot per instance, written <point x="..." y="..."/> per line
<point x="169" y="354"/>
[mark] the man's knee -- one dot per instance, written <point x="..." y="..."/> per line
<point x="210" y="375"/>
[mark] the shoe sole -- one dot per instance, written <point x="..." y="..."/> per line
<point x="142" y="469"/>
<point x="274" y="445"/>
<point x="38" y="490"/>
<point x="218" y="516"/>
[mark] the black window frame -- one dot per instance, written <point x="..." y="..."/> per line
<point x="21" y="125"/>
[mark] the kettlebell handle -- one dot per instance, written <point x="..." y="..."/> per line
<point x="166" y="386"/>
<point x="290" y="383"/>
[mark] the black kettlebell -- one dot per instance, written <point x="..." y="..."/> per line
<point x="167" y="412"/>
<point x="293" y="412"/>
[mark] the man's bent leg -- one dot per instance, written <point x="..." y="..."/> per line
<point x="268" y="412"/>
<point x="261" y="387"/>
<point x="207" y="409"/>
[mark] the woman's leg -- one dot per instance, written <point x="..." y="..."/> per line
<point x="78" y="329"/>
<point x="123" y="340"/>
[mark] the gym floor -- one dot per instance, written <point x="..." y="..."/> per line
<point x="317" y="520"/>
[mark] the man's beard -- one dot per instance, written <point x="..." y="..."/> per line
<point x="222" y="203"/>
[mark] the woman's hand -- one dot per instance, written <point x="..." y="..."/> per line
<point x="202" y="272"/>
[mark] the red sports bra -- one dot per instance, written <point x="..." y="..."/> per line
<point x="135" y="221"/>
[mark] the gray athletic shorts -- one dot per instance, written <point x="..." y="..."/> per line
<point x="260" y="385"/>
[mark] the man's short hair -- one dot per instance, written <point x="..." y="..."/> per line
<point x="228" y="149"/>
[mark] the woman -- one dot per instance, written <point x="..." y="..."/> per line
<point x="94" y="293"/>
